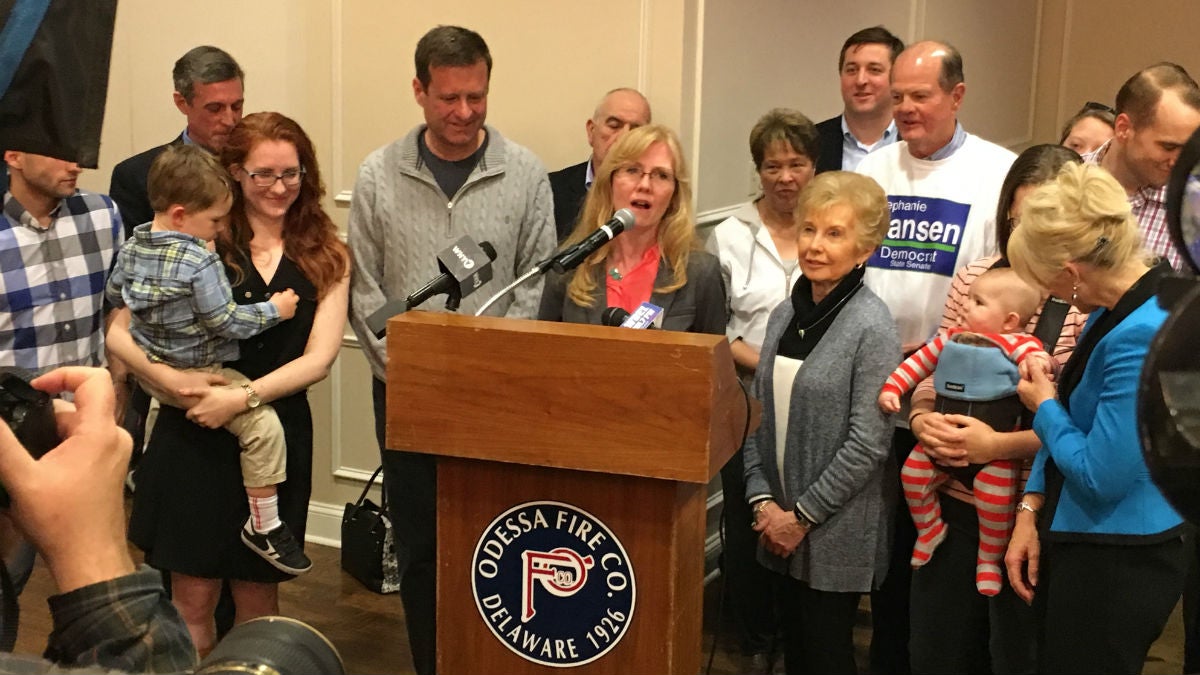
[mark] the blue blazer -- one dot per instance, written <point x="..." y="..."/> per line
<point x="1107" y="488"/>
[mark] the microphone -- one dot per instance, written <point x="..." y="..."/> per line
<point x="570" y="258"/>
<point x="465" y="267"/>
<point x="377" y="322"/>
<point x="642" y="318"/>
<point x="613" y="316"/>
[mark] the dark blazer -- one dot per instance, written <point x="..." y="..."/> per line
<point x="830" y="145"/>
<point x="569" y="193"/>
<point x="128" y="186"/>
<point x="697" y="307"/>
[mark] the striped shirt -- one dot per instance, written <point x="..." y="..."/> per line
<point x="914" y="369"/>
<point x="52" y="282"/>
<point x="182" y="307"/>
<point x="960" y="287"/>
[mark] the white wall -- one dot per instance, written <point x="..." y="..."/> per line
<point x="1106" y="41"/>
<point x="767" y="54"/>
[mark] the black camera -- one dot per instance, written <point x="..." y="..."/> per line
<point x="30" y="415"/>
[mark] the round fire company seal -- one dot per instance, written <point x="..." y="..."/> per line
<point x="553" y="583"/>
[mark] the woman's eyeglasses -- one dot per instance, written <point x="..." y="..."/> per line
<point x="265" y="179"/>
<point x="633" y="174"/>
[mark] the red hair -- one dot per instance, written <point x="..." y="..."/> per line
<point x="309" y="236"/>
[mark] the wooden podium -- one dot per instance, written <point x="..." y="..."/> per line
<point x="571" y="486"/>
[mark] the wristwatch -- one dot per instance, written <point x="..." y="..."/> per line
<point x="805" y="522"/>
<point x="252" y="399"/>
<point x="1025" y="506"/>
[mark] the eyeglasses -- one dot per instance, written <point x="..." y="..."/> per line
<point x="265" y="179"/>
<point x="633" y="173"/>
<point x="1093" y="105"/>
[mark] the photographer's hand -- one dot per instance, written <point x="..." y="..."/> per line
<point x="69" y="503"/>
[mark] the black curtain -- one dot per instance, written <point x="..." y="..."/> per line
<point x="55" y="103"/>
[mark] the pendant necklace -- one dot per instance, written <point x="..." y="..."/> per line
<point x="833" y="309"/>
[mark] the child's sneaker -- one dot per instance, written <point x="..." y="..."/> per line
<point x="277" y="547"/>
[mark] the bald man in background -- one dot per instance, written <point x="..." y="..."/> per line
<point x="619" y="111"/>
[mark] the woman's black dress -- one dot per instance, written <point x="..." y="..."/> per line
<point x="190" y="503"/>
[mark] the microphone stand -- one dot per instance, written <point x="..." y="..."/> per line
<point x="541" y="268"/>
<point x="537" y="269"/>
<point x="567" y="260"/>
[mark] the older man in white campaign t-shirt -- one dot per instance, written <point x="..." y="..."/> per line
<point x="943" y="185"/>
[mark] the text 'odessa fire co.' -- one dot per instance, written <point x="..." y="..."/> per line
<point x="553" y="583"/>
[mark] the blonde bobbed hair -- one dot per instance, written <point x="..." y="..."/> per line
<point x="866" y="199"/>
<point x="1082" y="216"/>
<point x="676" y="231"/>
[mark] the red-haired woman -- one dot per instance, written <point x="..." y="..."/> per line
<point x="190" y="506"/>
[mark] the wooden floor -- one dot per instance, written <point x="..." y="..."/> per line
<point x="368" y="629"/>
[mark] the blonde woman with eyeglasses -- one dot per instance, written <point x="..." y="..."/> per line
<point x="656" y="260"/>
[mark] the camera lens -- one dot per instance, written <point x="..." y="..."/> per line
<point x="273" y="644"/>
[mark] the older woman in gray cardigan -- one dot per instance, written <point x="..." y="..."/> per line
<point x="815" y="468"/>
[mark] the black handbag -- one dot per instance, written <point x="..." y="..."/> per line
<point x="368" y="543"/>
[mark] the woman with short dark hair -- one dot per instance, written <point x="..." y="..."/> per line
<point x="757" y="250"/>
<point x="1088" y="129"/>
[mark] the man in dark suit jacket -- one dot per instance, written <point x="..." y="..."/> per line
<point x="619" y="111"/>
<point x="866" y="123"/>
<point x="208" y="91"/>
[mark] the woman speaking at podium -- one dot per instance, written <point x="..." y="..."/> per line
<point x="657" y="260"/>
<point x="815" y="468"/>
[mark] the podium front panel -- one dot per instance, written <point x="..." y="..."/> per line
<point x="546" y="570"/>
<point x="658" y="404"/>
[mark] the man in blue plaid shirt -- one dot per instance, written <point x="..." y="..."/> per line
<point x="56" y="246"/>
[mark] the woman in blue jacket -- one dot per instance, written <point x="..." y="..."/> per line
<point x="1096" y="547"/>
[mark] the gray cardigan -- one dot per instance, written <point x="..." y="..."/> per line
<point x="837" y="462"/>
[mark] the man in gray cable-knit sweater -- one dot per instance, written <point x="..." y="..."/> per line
<point x="450" y="177"/>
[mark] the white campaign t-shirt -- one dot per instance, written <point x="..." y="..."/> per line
<point x="943" y="217"/>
